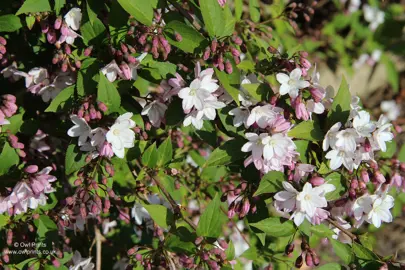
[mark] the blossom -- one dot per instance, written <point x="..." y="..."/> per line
<point x="121" y="135"/>
<point x="346" y="139"/>
<point x="80" y="263"/>
<point x="194" y="119"/>
<point x="374" y="16"/>
<point x="111" y="71"/>
<point x="362" y="124"/>
<point x="240" y="116"/>
<point x="310" y="198"/>
<point x="330" y="137"/>
<point x="382" y="135"/>
<point x="155" y="111"/>
<point x="381" y="210"/>
<point x="262" y="115"/>
<point x="73" y="18"/>
<point x="391" y="109"/>
<point x="302" y="170"/>
<point x="338" y="157"/>
<point x="139" y="213"/>
<point x="81" y="129"/>
<point x="276" y="145"/>
<point x="290" y="84"/>
<point x="255" y="145"/>
<point x="286" y="199"/>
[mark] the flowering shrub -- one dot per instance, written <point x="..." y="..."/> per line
<point x="183" y="135"/>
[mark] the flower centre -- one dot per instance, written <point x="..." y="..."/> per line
<point x="307" y="197"/>
<point x="116" y="132"/>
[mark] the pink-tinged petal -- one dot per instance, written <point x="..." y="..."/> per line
<point x="296" y="74"/>
<point x="284" y="89"/>
<point x="247" y="147"/>
<point x="282" y="78"/>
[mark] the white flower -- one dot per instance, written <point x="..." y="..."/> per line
<point x="311" y="198"/>
<point x="139" y="213"/>
<point x="362" y="124"/>
<point x="374" y="16"/>
<point x="354" y="106"/>
<point x="255" y="144"/>
<point x="277" y="145"/>
<point x="97" y="137"/>
<point x="262" y="115"/>
<point x="34" y="76"/>
<point x="330" y="137"/>
<point x="315" y="107"/>
<point x="111" y="71"/>
<point x="290" y="84"/>
<point x="200" y="89"/>
<point x="11" y="72"/>
<point x="391" y="109"/>
<point x="339" y="157"/>
<point x="244" y="97"/>
<point x="383" y="135"/>
<point x="192" y="118"/>
<point x="121" y="135"/>
<point x="135" y="66"/>
<point x="73" y="18"/>
<point x="346" y="139"/>
<point x="107" y="225"/>
<point x="155" y="111"/>
<point x="286" y="199"/>
<point x="81" y="129"/>
<point x="80" y="263"/>
<point x="240" y="116"/>
<point x="381" y="210"/>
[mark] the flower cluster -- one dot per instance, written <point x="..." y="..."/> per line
<point x="7" y="109"/>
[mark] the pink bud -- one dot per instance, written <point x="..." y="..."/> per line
<point x="308" y="260"/>
<point x="3" y="49"/>
<point x="214" y="45"/>
<point x="131" y="251"/>
<point x="65" y="30"/>
<point x="223" y="243"/>
<point x="77" y="182"/>
<point x="126" y="71"/>
<point x="245" y="208"/>
<point x="31" y="169"/>
<point x="396" y="180"/>
<point x="301" y="111"/>
<point x="55" y="262"/>
<point x="317" y="181"/>
<point x="87" y="51"/>
<point x="228" y="67"/>
<point x="67" y="49"/>
<point x="206" y="54"/>
<point x="354" y="184"/>
<point x="379" y="177"/>
<point x="367" y="146"/>
<point x="317" y="94"/>
<point x="3" y="41"/>
<point x="44" y="27"/>
<point x="234" y="51"/>
<point x="58" y="23"/>
<point x="178" y="37"/>
<point x="138" y="257"/>
<point x="305" y="63"/>
<point x="238" y="41"/>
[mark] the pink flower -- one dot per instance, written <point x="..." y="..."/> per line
<point x="222" y="2"/>
<point x="105" y="150"/>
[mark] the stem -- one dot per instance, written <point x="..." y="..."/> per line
<point x="337" y="225"/>
<point x="186" y="14"/>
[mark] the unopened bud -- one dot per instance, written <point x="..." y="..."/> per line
<point x="289" y="249"/>
<point x="299" y="261"/>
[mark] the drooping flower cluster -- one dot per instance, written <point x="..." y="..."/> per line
<point x="29" y="192"/>
<point x="357" y="140"/>
<point x="101" y="141"/>
<point x="306" y="204"/>
<point x="7" y="108"/>
<point x="125" y="71"/>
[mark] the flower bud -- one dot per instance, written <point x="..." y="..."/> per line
<point x="87" y="51"/>
<point x="3" y="41"/>
<point x="354" y="184"/>
<point x="198" y="240"/>
<point x="178" y="37"/>
<point x="228" y="67"/>
<point x="206" y="54"/>
<point x="138" y="257"/>
<point x="58" y="23"/>
<point x="126" y="71"/>
<point x="51" y="36"/>
<point x="317" y="181"/>
<point x="238" y="41"/>
<point x="31" y="169"/>
<point x="315" y="259"/>
<point x="379" y="177"/>
<point x="214" y="45"/>
<point x="223" y="243"/>
<point x="299" y="261"/>
<point x="289" y="249"/>
<point x="308" y="260"/>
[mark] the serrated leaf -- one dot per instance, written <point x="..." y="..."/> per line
<point x="229" y="83"/>
<point x="211" y="221"/>
<point x="363" y="253"/>
<point x="108" y="94"/>
<point x="302" y="149"/>
<point x="340" y="109"/>
<point x="275" y="226"/>
<point x="321" y="230"/>
<point x="150" y="156"/>
<point x="9" y="23"/>
<point x="165" y="152"/>
<point x="44" y="224"/>
<point x="8" y="157"/>
<point x="160" y="214"/>
<point x="75" y="159"/>
<point x="213" y="16"/>
<point x="32" y="6"/>
<point x="230" y="251"/>
<point x="342" y="250"/>
<point x="141" y="10"/>
<point x="270" y="183"/>
<point x="227" y="153"/>
<point x="60" y="100"/>
<point x="307" y="130"/>
<point x="93" y="32"/>
<point x="254" y="10"/>
<point x="30" y="20"/>
<point x="86" y="77"/>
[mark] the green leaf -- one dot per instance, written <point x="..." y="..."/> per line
<point x="338" y="181"/>
<point x="191" y="38"/>
<point x="44" y="224"/>
<point x="401" y="154"/>
<point x="93" y="32"/>
<point x="32" y="6"/>
<point x="30" y="20"/>
<point x="227" y="153"/>
<point x="270" y="183"/>
<point x="59" y="5"/>
<point x="254" y="10"/>
<point x="364" y="253"/>
<point x="330" y="266"/>
<point x="258" y="91"/>
<point x="342" y="250"/>
<point x="391" y="150"/>
<point x="340" y="110"/>
<point x="87" y="77"/>
<point x="9" y="23"/>
<point x="230" y="21"/>
<point x="321" y="230"/>
<point x="211" y="221"/>
<point x="8" y="157"/>
<point x="160" y="214"/>
<point x="238" y="9"/>
<point x="274" y="226"/>
<point x="213" y="16"/>
<point x="141" y="10"/>
<point x="75" y="159"/>
<point x="307" y="130"/>
<point x="165" y="152"/>
<point x="108" y="94"/>
<point x="16" y="121"/>
<point x="302" y="148"/>
<point x="61" y="99"/>
<point x="392" y="73"/>
<point x="366" y="240"/>
<point x="230" y="251"/>
<point x="4" y="220"/>
<point x="150" y="156"/>
<point x="229" y="83"/>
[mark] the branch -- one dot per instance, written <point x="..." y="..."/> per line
<point x="187" y="15"/>
<point x="337" y="225"/>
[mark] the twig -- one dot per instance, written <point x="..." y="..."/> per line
<point x="337" y="225"/>
<point x="99" y="239"/>
<point x="187" y="15"/>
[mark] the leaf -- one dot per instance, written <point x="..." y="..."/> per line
<point x="238" y="9"/>
<point x="44" y="224"/>
<point x="61" y="99"/>
<point x="366" y="240"/>
<point x="401" y="154"/>
<point x="258" y="91"/>
<point x="391" y="150"/>
<point x="150" y="156"/>
<point x="364" y="253"/>
<point x="321" y="230"/>
<point x="213" y="16"/>
<point x="302" y="148"/>
<point x="230" y="251"/>
<point x="16" y="121"/>
<point x="307" y="130"/>
<point x="392" y="73"/>
<point x="330" y="266"/>
<point x="274" y="226"/>
<point x="228" y="85"/>
<point x="338" y="181"/>
<point x="32" y="6"/>
<point x="86" y="77"/>
<point x="210" y="224"/>
<point x="270" y="183"/>
<point x="191" y="38"/>
<point x="254" y="10"/>
<point x="108" y="94"/>
<point x="30" y="20"/>
<point x="227" y="153"/>
<point x="4" y="220"/>
<point x="9" y="23"/>
<point x="342" y="250"/>
<point x="160" y="214"/>
<point x="141" y="10"/>
<point x="340" y="110"/>
<point x="59" y="5"/>
<point x="75" y="159"/>
<point x="93" y="32"/>
<point x="165" y="152"/>
<point x="8" y="157"/>
<point x="229" y="22"/>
